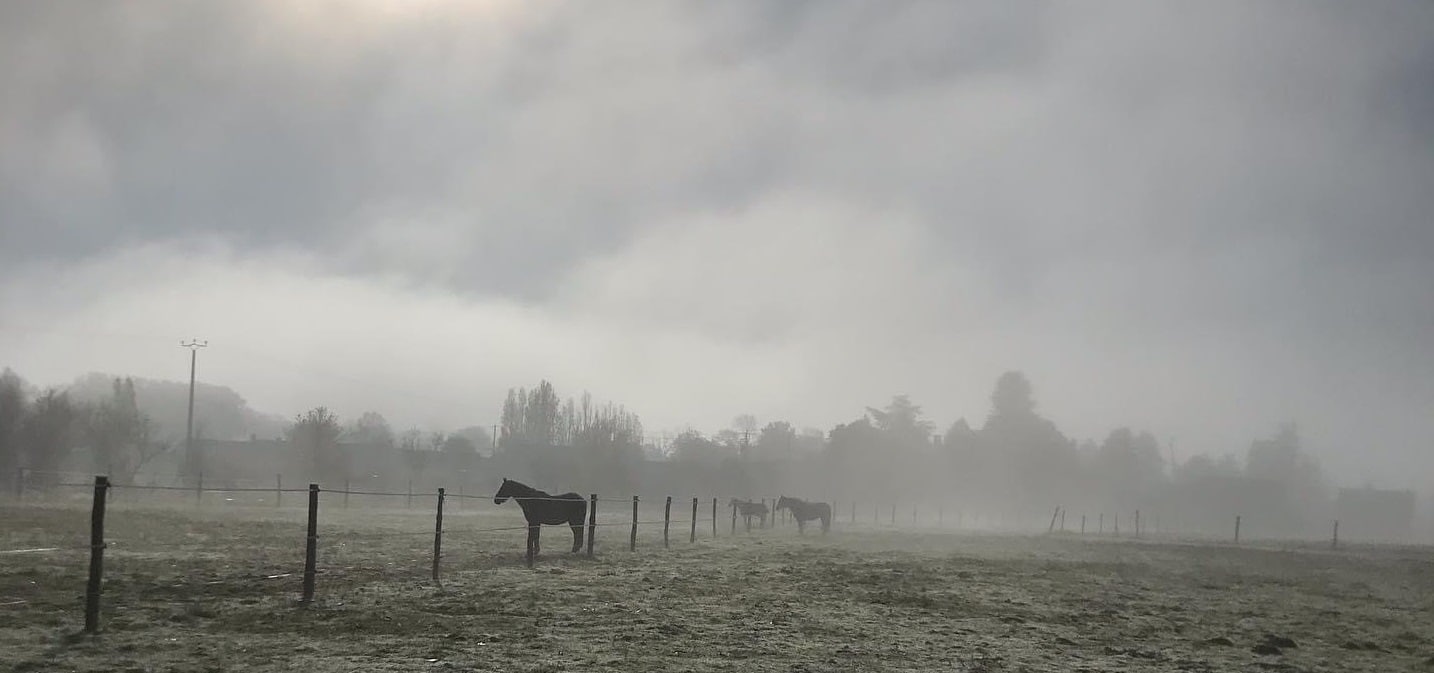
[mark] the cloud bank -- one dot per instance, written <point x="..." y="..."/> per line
<point x="1198" y="220"/>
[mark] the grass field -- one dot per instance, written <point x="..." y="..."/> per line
<point x="216" y="589"/>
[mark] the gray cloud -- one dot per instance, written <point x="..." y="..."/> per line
<point x="1217" y="216"/>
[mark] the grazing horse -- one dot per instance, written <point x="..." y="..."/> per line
<point x="804" y="511"/>
<point x="542" y="508"/>
<point x="749" y="509"/>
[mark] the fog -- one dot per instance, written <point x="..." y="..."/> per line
<point x="1200" y="223"/>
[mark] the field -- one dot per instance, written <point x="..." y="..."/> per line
<point x="216" y="589"/>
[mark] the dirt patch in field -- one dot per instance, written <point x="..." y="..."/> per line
<point x="217" y="591"/>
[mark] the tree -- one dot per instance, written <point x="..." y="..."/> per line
<point x="1130" y="464"/>
<point x="731" y="441"/>
<point x="13" y="408"/>
<point x="415" y="455"/>
<point x="691" y="446"/>
<point x="48" y="434"/>
<point x="540" y="415"/>
<point x="480" y="437"/>
<point x="316" y="435"/>
<point x="901" y="423"/>
<point x="372" y="429"/>
<point x="777" y="440"/>
<point x="458" y="444"/>
<point x="745" y="423"/>
<point x="851" y="453"/>
<point x="511" y="424"/>
<point x="1028" y="452"/>
<point x="810" y="441"/>
<point x="121" y="438"/>
<point x="1281" y="459"/>
<point x="1012" y="398"/>
<point x="1201" y="467"/>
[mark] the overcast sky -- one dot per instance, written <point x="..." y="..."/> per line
<point x="1200" y="219"/>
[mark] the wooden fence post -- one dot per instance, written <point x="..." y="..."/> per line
<point x="893" y="514"/>
<point x="199" y="489"/>
<point x="97" y="556"/>
<point x="592" y="522"/>
<point x="311" y="546"/>
<point x="632" y="538"/>
<point x="692" y="537"/>
<point x="1334" y="541"/>
<point x="1082" y="524"/>
<point x="1237" y="529"/>
<point x="438" y="536"/>
<point x="348" y="486"/>
<point x="1117" y="523"/>
<point x="1137" y="523"/>
<point x="667" y="521"/>
<point x="714" y="517"/>
<point x="409" y="505"/>
<point x="734" y="519"/>
<point x="278" y="490"/>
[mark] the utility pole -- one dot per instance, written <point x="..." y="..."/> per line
<point x="189" y="454"/>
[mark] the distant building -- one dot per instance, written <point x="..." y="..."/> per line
<point x="1375" y="515"/>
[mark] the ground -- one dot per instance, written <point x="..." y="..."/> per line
<point x="216" y="588"/>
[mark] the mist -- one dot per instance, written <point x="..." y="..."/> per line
<point x="1203" y="224"/>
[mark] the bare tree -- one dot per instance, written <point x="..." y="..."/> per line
<point x="316" y="435"/>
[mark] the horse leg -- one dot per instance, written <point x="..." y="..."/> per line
<point x="577" y="537"/>
<point x="532" y="544"/>
<point x="537" y="534"/>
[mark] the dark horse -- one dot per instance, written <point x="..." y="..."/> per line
<point x="804" y="511"/>
<point x="542" y="508"/>
<point x="749" y="509"/>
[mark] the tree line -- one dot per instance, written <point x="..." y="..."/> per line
<point x="44" y="431"/>
<point x="1015" y="457"/>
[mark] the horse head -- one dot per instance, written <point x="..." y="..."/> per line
<point x="504" y="492"/>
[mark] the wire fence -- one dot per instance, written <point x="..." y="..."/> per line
<point x="678" y="516"/>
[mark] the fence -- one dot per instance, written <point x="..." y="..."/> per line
<point x="102" y="489"/>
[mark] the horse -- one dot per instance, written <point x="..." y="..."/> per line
<point x="804" y="511"/>
<point x="542" y="508"/>
<point x="749" y="509"/>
